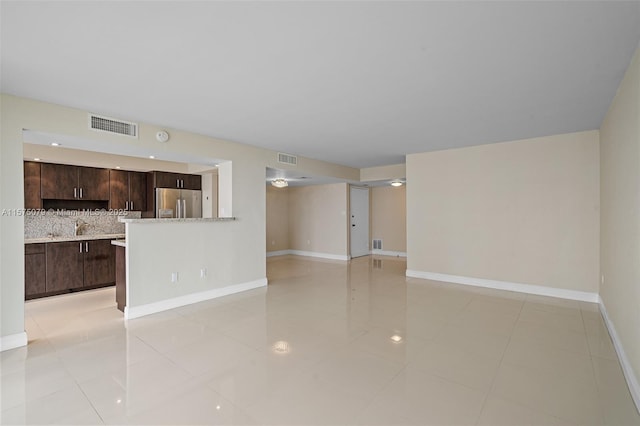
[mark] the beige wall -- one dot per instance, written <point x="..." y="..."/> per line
<point x="620" y="216"/>
<point x="318" y="219"/>
<point x="277" y="219"/>
<point x="394" y="171"/>
<point x="521" y="212"/>
<point x="11" y="227"/>
<point x="49" y="154"/>
<point x="389" y="217"/>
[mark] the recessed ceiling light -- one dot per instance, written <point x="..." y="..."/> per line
<point x="396" y="338"/>
<point x="36" y="159"/>
<point x="281" y="347"/>
<point x="117" y="167"/>
<point x="396" y="183"/>
<point x="55" y="144"/>
<point x="152" y="157"/>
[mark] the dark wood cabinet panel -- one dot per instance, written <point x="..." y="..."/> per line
<point x="121" y="278"/>
<point x="99" y="262"/>
<point x="118" y="189"/>
<point x="177" y="180"/>
<point x="32" y="198"/>
<point x="137" y="190"/>
<point x="128" y="190"/>
<point x="34" y="269"/>
<point x="192" y="181"/>
<point x="64" y="182"/>
<point x="94" y="183"/>
<point x="167" y="180"/>
<point x="59" y="182"/>
<point x="64" y="266"/>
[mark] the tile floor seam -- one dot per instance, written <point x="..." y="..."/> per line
<point x="381" y="390"/>
<point x="91" y="403"/>
<point x="495" y="375"/>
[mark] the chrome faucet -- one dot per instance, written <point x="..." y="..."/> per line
<point x="79" y="225"/>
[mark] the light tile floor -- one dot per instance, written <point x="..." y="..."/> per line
<point x="315" y="347"/>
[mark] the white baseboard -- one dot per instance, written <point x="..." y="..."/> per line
<point x="278" y="253"/>
<point x="308" y="253"/>
<point x="320" y="255"/>
<point x="390" y="253"/>
<point x="509" y="286"/>
<point x="627" y="369"/>
<point x="188" y="299"/>
<point x="13" y="341"/>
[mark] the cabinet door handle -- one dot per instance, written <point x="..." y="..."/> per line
<point x="80" y="192"/>
<point x="126" y="205"/>
<point x="86" y="247"/>
<point x="131" y="204"/>
<point x="80" y="247"/>
<point x="75" y="192"/>
<point x="177" y="183"/>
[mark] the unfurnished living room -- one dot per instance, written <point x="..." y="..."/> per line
<point x="320" y="212"/>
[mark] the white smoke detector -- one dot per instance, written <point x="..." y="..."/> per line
<point x="162" y="136"/>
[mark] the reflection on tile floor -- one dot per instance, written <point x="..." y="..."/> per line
<point x="316" y="347"/>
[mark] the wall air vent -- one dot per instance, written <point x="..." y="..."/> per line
<point x="110" y="125"/>
<point x="287" y="159"/>
<point x="377" y="244"/>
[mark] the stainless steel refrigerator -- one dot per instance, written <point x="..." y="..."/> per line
<point x="178" y="203"/>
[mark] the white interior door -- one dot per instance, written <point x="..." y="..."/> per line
<point x="359" y="226"/>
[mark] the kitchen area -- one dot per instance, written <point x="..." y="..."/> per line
<point x="74" y="234"/>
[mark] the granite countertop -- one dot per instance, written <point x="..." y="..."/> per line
<point x="174" y="220"/>
<point x="77" y="238"/>
<point x="119" y="243"/>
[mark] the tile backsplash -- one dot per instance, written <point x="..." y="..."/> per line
<point x="62" y="223"/>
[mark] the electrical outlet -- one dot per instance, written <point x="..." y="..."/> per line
<point x="308" y="242"/>
<point x="203" y="273"/>
<point x="602" y="279"/>
<point x="273" y="242"/>
<point x="174" y="277"/>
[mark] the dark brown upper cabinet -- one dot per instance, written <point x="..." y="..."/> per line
<point x="128" y="190"/>
<point x="32" y="198"/>
<point x="177" y="180"/>
<point x="64" y="182"/>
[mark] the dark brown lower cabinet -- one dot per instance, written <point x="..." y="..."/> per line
<point x="54" y="268"/>
<point x="99" y="263"/>
<point x="34" y="269"/>
<point x="65" y="266"/>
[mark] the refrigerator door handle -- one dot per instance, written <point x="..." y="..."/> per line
<point x="184" y="208"/>
<point x="178" y="208"/>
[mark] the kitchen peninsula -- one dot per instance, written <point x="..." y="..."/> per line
<point x="175" y="262"/>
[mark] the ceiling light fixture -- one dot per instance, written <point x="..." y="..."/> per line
<point x="279" y="183"/>
<point x="55" y="144"/>
<point x="396" y="338"/>
<point x="152" y="157"/>
<point x="396" y="183"/>
<point x="36" y="159"/>
<point x="281" y="347"/>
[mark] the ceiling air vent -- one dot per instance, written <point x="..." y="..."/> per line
<point x="287" y="159"/>
<point x="104" y="124"/>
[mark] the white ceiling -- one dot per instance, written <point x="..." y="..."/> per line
<point x="354" y="83"/>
